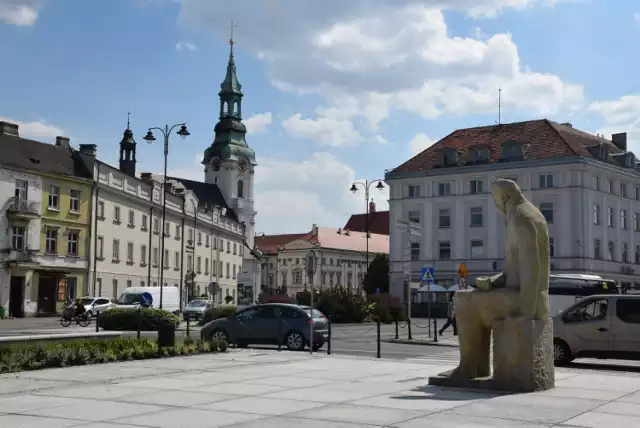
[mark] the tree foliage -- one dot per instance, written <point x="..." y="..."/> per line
<point x="377" y="277"/>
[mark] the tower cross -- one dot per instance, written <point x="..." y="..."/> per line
<point x="231" y="28"/>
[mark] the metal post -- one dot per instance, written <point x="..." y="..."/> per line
<point x="409" y="309"/>
<point x="429" y="307"/>
<point x="435" y="330"/>
<point x="396" y="329"/>
<point x="164" y="211"/>
<point x="311" y="322"/>
<point x="188" y="332"/>
<point x="139" y="322"/>
<point x="97" y="322"/>
<point x="279" y="333"/>
<point x="366" y="202"/>
<point x="329" y="337"/>
<point x="378" y="338"/>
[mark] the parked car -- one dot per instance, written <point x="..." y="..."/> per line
<point x="271" y="324"/>
<point x="195" y="309"/>
<point x="94" y="305"/>
<point x="598" y="326"/>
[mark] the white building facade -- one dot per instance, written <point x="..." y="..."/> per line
<point x="591" y="201"/>
<point x="20" y="213"/>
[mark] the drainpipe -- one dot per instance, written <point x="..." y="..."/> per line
<point x="95" y="228"/>
<point x="184" y="232"/>
<point x="150" y="226"/>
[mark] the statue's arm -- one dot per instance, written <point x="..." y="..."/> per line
<point x="529" y="266"/>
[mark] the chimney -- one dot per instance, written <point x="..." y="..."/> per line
<point x="146" y="177"/>
<point x="9" y="129"/>
<point x="372" y="206"/>
<point x="62" y="142"/>
<point x="88" y="149"/>
<point x="620" y="140"/>
<point x="568" y="124"/>
<point x="314" y="229"/>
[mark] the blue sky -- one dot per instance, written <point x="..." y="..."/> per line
<point x="334" y="90"/>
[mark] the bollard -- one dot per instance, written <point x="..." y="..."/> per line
<point x="139" y="322"/>
<point x="378" y="334"/>
<point x="97" y="322"/>
<point x="329" y="338"/>
<point x="397" y="337"/>
<point x="409" y="328"/>
<point x="188" y="332"/>
<point x="435" y="330"/>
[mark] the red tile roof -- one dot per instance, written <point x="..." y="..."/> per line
<point x="543" y="139"/>
<point x="326" y="237"/>
<point x="378" y="222"/>
<point x="271" y="243"/>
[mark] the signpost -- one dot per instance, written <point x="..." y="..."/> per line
<point x="427" y="276"/>
<point x="311" y="262"/>
<point x="411" y="229"/>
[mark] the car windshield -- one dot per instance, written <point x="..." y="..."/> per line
<point x="86" y="301"/>
<point x="197" y="304"/>
<point x="129" y="299"/>
<point x="316" y="313"/>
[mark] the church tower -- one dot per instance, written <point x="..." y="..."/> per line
<point x="128" y="152"/>
<point x="229" y="161"/>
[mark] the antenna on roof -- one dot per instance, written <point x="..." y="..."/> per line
<point x="128" y="119"/>
<point x="499" y="105"/>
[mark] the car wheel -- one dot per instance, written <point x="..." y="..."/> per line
<point x="220" y="335"/>
<point x="295" y="341"/>
<point x="561" y="353"/>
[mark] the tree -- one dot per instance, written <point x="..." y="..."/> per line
<point x="377" y="277"/>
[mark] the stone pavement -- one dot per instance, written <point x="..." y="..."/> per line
<point x="268" y="389"/>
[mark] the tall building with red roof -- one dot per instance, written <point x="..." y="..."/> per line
<point x="587" y="186"/>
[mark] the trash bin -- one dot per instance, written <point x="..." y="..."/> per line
<point x="2" y="312"/>
<point x="166" y="333"/>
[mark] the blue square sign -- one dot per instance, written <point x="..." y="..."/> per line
<point x="427" y="274"/>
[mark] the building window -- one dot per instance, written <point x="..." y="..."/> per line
<point x="444" y="250"/>
<point x="206" y="240"/>
<point x="240" y="189"/>
<point x="228" y="247"/>
<point x="143" y="255"/>
<point x="597" y="249"/>
<point x="156" y="226"/>
<point x="18" y="238"/>
<point x="199" y="264"/>
<point x="144" y="222"/>
<point x="596" y="182"/>
<point x="415" y="251"/>
<point x="54" y="198"/>
<point x="213" y="267"/>
<point x="155" y="256"/>
<point x="199" y="238"/>
<point x="100" y="248"/>
<point x="116" y="214"/>
<point x="546" y="181"/>
<point x="476" y="217"/>
<point x="610" y="186"/>
<point x="132" y="217"/>
<point x="610" y="221"/>
<point x="623" y="190"/>
<point x="176" y="260"/>
<point x="115" y="250"/>
<point x="72" y="243"/>
<point x="637" y="255"/>
<point x="22" y="187"/>
<point x="546" y="208"/>
<point x="206" y="266"/>
<point x="625" y="253"/>
<point x="636" y="222"/>
<point x="414" y="191"/>
<point x="166" y="258"/>
<point x="190" y="240"/>
<point x="636" y="193"/>
<point x="475" y="187"/>
<point x="596" y="214"/>
<point x="215" y="242"/>
<point x="101" y="210"/>
<point x="74" y="201"/>
<point x="228" y="270"/>
<point x="477" y="248"/>
<point x="190" y="262"/>
<point x="130" y="252"/>
<point x="552" y="248"/>
<point x="297" y="277"/>
<point x="444" y="189"/>
<point x="623" y="219"/>
<point x="235" y="248"/>
<point x="611" y="251"/>
<point x="51" y="241"/>
<point x="414" y="216"/>
<point x="444" y="218"/>
<point x="72" y="286"/>
<point x="221" y="268"/>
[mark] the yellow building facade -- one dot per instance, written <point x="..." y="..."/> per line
<point x="64" y="241"/>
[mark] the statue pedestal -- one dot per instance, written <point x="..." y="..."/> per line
<point x="523" y="355"/>
<point x="522" y="359"/>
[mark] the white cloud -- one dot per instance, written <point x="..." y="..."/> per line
<point x="185" y="46"/>
<point x="369" y="59"/>
<point x="19" y="12"/>
<point x="636" y="16"/>
<point x="621" y="115"/>
<point x="37" y="129"/>
<point x="195" y="171"/>
<point x="258" y="123"/>
<point x="419" y="143"/>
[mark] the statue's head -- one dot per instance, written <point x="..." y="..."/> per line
<point x="503" y="191"/>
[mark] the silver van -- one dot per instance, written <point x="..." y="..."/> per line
<point x="599" y="326"/>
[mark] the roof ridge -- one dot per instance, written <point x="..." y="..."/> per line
<point x="553" y="126"/>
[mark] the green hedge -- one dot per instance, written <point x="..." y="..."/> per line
<point x="215" y="313"/>
<point x="18" y="358"/>
<point x="127" y="319"/>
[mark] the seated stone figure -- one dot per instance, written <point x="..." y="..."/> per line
<point x="513" y="305"/>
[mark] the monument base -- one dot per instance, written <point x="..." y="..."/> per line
<point x="522" y="359"/>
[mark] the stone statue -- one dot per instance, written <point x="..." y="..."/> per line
<point x="513" y="305"/>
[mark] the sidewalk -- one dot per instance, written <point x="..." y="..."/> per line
<point x="447" y="339"/>
<point x="270" y="389"/>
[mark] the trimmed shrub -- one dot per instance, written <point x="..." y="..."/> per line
<point x="127" y="319"/>
<point x="215" y="313"/>
<point x="18" y="358"/>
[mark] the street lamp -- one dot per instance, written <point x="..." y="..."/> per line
<point x="149" y="138"/>
<point x="366" y="185"/>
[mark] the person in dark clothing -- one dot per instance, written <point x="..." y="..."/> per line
<point x="451" y="318"/>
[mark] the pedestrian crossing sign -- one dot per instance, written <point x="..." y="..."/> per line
<point x="427" y="274"/>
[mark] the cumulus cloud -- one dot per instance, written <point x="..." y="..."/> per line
<point x="419" y="143"/>
<point x="621" y="115"/>
<point x="36" y="129"/>
<point x="258" y="122"/>
<point x="19" y="12"/>
<point x="185" y="46"/>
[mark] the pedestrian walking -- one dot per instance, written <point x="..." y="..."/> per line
<point x="451" y="317"/>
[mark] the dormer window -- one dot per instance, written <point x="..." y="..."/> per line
<point x="448" y="157"/>
<point x="478" y="155"/>
<point x="512" y="151"/>
<point x="630" y="160"/>
<point x="599" y="151"/>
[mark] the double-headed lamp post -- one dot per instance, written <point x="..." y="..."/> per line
<point x="149" y="138"/>
<point x="366" y="185"/>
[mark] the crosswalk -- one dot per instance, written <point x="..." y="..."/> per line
<point x="441" y="358"/>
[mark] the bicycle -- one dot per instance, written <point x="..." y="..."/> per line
<point x="68" y="317"/>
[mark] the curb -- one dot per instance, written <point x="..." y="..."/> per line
<point x="419" y="343"/>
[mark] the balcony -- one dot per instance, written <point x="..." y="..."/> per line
<point x="20" y="209"/>
<point x="21" y="257"/>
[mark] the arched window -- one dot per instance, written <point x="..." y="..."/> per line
<point x="240" y="189"/>
<point x="236" y="108"/>
<point x="226" y="108"/>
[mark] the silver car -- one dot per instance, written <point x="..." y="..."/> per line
<point x="195" y="309"/>
<point x="271" y="324"/>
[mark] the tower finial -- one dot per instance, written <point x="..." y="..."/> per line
<point x="499" y="105"/>
<point x="128" y="119"/>
<point x="231" y="41"/>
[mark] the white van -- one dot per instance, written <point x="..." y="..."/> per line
<point x="130" y="298"/>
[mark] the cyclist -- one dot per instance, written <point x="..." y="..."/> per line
<point x="78" y="309"/>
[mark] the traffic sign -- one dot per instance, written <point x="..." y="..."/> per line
<point x="427" y="274"/>
<point x="146" y="299"/>
<point x="462" y="271"/>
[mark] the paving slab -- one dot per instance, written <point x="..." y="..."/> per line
<point x="268" y="389"/>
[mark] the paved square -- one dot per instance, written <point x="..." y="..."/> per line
<point x="270" y="389"/>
